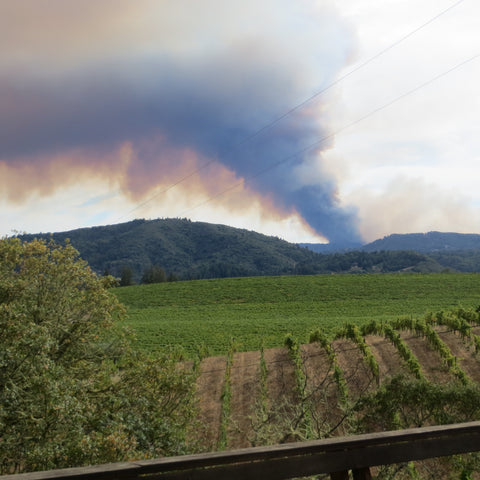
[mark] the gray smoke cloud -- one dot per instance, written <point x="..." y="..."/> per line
<point x="209" y="100"/>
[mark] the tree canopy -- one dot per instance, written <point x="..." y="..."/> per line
<point x="72" y="392"/>
<point x="193" y="250"/>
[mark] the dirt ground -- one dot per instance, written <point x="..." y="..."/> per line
<point x="432" y="364"/>
<point x="245" y="376"/>
<point x="209" y="389"/>
<point x="281" y="383"/>
<point x="464" y="352"/>
<point x="389" y="361"/>
<point x="322" y="388"/>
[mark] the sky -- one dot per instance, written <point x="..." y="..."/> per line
<point x="311" y="120"/>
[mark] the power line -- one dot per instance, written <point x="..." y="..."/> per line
<point x="351" y="72"/>
<point x="297" y="107"/>
<point x="331" y="135"/>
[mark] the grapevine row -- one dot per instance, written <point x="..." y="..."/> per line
<point x="426" y="330"/>
<point x="263" y="385"/>
<point x="226" y="397"/>
<point x="459" y="321"/>
<point x="301" y="382"/>
<point x="386" y="330"/>
<point x="321" y="338"/>
<point x="352" y="332"/>
<point x="410" y="359"/>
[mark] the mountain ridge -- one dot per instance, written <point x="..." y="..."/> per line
<point x="428" y="242"/>
<point x="192" y="250"/>
<point x="188" y="249"/>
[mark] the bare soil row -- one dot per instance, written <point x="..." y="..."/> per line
<point x="282" y="387"/>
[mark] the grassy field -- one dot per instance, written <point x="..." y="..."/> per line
<point x="262" y="310"/>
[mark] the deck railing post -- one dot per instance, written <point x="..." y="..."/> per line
<point x="339" y="475"/>
<point x="362" y="474"/>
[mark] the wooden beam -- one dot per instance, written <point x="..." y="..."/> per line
<point x="333" y="455"/>
<point x="339" y="475"/>
<point x="362" y="474"/>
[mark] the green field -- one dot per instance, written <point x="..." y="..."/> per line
<point x="261" y="310"/>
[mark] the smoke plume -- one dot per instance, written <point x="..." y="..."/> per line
<point x="146" y="103"/>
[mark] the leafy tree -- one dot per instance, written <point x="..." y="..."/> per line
<point x="172" y="277"/>
<point x="126" y="277"/>
<point x="71" y="390"/>
<point x="405" y="402"/>
<point x="154" y="274"/>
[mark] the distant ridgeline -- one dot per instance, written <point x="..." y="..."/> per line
<point x="431" y="242"/>
<point x="171" y="249"/>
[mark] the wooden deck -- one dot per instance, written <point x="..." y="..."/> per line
<point x="334" y="456"/>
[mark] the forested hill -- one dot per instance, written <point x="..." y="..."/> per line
<point x="184" y="248"/>
<point x="431" y="242"/>
<point x="192" y="250"/>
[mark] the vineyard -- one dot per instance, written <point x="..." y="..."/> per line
<point x="260" y="311"/>
<point x="375" y="377"/>
<point x="281" y="359"/>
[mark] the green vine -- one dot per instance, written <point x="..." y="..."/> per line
<point x="426" y="330"/>
<point x="407" y="355"/>
<point x="321" y="338"/>
<point x="226" y="398"/>
<point x="352" y="332"/>
<point x="460" y="321"/>
<point x="301" y="384"/>
<point x="386" y="329"/>
<point x="263" y="386"/>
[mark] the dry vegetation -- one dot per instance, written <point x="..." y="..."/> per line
<point x="310" y="404"/>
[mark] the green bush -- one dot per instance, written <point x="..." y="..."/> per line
<point x="71" y="390"/>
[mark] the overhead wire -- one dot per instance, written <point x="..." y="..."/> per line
<point x="323" y="139"/>
<point x="297" y="107"/>
<point x="348" y="74"/>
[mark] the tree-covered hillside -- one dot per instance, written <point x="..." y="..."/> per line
<point x="157" y="250"/>
<point x="187" y="249"/>
<point x="430" y="242"/>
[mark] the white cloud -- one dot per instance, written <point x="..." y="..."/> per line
<point x="410" y="205"/>
<point x="412" y="166"/>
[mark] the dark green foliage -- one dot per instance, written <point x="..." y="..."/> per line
<point x="191" y="250"/>
<point x="260" y="310"/>
<point x="370" y="262"/>
<point x="406" y="402"/>
<point x="431" y="242"/>
<point x="197" y="250"/>
<point x="172" y="277"/>
<point x="453" y="251"/>
<point x="226" y="397"/>
<point x="72" y="392"/>
<point x="461" y="261"/>
<point x="126" y="277"/>
<point x="154" y="274"/>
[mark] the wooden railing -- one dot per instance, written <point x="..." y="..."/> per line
<point x="334" y="456"/>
